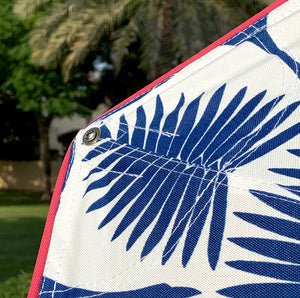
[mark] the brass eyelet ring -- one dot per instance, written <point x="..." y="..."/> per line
<point x="91" y="136"/>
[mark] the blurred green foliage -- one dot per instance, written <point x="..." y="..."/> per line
<point x="35" y="89"/>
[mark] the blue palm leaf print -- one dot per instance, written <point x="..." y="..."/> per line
<point x="258" y="35"/>
<point x="58" y="290"/>
<point x="287" y="252"/>
<point x="277" y="290"/>
<point x="172" y="173"/>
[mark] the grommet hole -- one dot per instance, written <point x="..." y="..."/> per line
<point x="91" y="136"/>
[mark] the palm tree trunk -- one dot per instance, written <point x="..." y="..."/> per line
<point x="165" y="28"/>
<point x="44" y="125"/>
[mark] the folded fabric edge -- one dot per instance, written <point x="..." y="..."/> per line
<point x="46" y="238"/>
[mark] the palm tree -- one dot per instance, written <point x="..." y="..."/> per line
<point x="168" y="32"/>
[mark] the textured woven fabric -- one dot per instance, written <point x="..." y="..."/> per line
<point x="193" y="189"/>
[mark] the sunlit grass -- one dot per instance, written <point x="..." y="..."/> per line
<point x="15" y="287"/>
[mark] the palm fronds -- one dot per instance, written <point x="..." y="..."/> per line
<point x="122" y="39"/>
<point x="99" y="21"/>
<point x="23" y="8"/>
<point x="67" y="31"/>
<point x="150" y="39"/>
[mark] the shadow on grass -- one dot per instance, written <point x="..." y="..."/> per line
<point x="19" y="243"/>
<point x="11" y="197"/>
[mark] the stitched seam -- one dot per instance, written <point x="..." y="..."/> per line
<point x="280" y="43"/>
<point x="63" y="249"/>
<point x="274" y="196"/>
<point x="202" y="178"/>
<point x="232" y="174"/>
<point x="49" y="251"/>
<point x="258" y="130"/>
<point x="220" y="183"/>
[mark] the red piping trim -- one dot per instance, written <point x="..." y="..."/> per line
<point x="212" y="46"/>
<point x="45" y="242"/>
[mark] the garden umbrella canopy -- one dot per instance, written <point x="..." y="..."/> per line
<point x="190" y="187"/>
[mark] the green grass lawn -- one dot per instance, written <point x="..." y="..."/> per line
<point x="22" y="220"/>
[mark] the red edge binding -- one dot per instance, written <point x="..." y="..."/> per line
<point x="44" y="247"/>
<point x="45" y="242"/>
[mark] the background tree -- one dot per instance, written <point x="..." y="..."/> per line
<point x="168" y="32"/>
<point x="18" y="130"/>
<point x="37" y="91"/>
<point x="68" y="33"/>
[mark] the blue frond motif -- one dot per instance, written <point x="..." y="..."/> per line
<point x="275" y="270"/>
<point x="276" y="225"/>
<point x="280" y="250"/>
<point x="258" y="34"/>
<point x="266" y="290"/>
<point x="295" y="173"/>
<point x="283" y="204"/>
<point x="70" y="164"/>
<point x="52" y="289"/>
<point x="174" y="169"/>
<point x="295" y="152"/>
<point x="285" y="251"/>
<point x="292" y="188"/>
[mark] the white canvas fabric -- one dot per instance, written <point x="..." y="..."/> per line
<point x="193" y="188"/>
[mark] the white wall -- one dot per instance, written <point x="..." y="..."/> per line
<point x="75" y="122"/>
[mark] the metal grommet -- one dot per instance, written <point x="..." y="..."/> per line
<point x="91" y="136"/>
